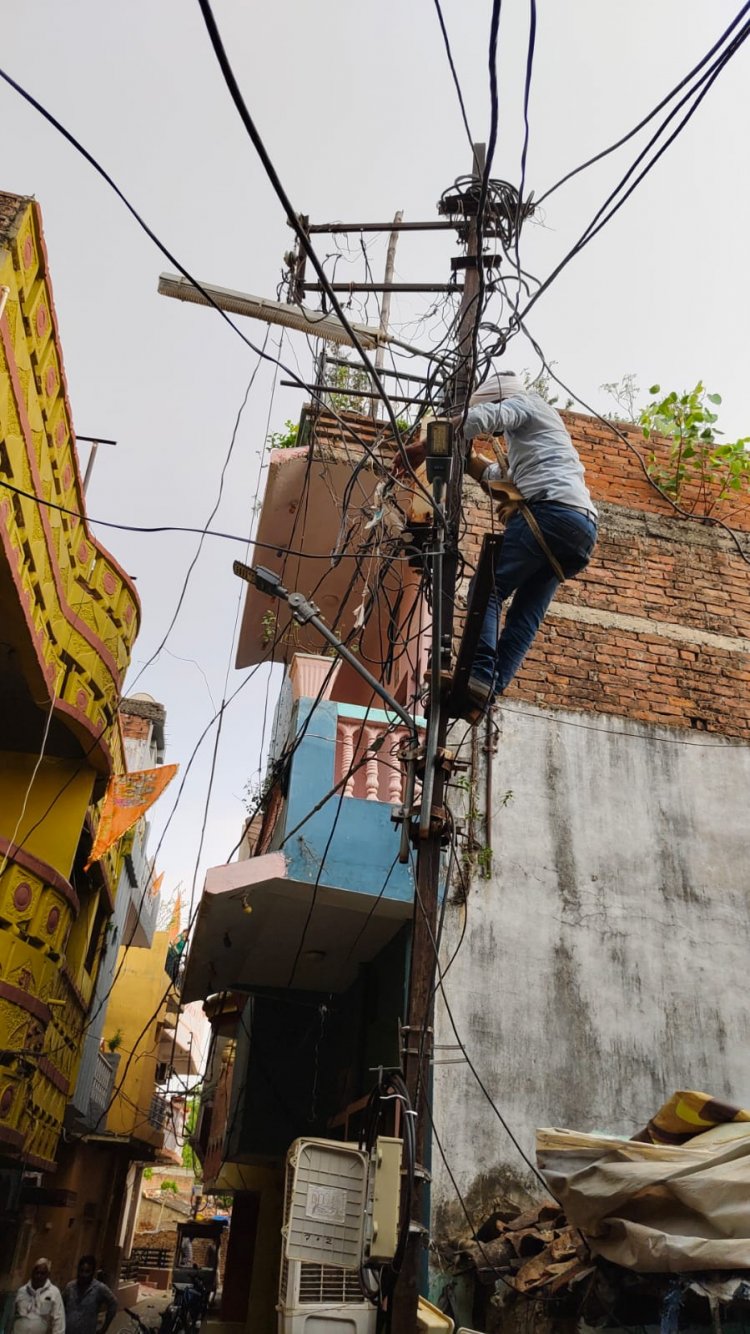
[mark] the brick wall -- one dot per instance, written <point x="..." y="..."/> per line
<point x="657" y="628"/>
<point x="137" y="728"/>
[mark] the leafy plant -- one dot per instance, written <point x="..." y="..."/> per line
<point x="168" y="1184"/>
<point x="268" y="627"/>
<point x="284" y="439"/>
<point x="189" y="1159"/>
<point x="342" y="380"/>
<point x="699" y="472"/>
<point x="255" y="792"/>
<point x="148" y="1172"/>
<point x="115" y="1041"/>
<point x="484" y="862"/>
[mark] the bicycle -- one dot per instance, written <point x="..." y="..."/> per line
<point x="185" y="1313"/>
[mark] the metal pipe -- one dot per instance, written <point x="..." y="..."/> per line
<point x="385" y="304"/>
<point x="396" y="375"/>
<point x="322" y="389"/>
<point x="383" y="287"/>
<point x="333" y="228"/>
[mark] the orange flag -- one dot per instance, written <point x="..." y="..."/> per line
<point x="128" y="797"/>
<point x="156" y="884"/>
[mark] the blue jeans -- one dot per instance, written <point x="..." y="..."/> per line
<point x="522" y="568"/>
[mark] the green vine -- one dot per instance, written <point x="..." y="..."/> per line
<point x="699" y="471"/>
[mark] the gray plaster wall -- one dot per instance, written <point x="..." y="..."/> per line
<point x="606" y="961"/>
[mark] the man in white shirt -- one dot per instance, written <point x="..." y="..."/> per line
<point x="545" y="469"/>
<point x="39" y="1307"/>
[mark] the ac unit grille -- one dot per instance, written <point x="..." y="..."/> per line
<point x="328" y="1283"/>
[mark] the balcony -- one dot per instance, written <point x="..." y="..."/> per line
<point x="183" y="1041"/>
<point x="174" y="1131"/>
<point x="102" y="1085"/>
<point x="330" y="879"/>
<point x="158" y="1111"/>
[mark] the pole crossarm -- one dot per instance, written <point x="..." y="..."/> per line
<point x="336" y="228"/>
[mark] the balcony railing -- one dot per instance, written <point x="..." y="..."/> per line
<point x="158" y="1111"/>
<point x="367" y="749"/>
<point x="102" y="1084"/>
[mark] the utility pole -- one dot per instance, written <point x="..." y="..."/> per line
<point x="417" y="1033"/>
<point x="430" y="830"/>
<point x="385" y="304"/>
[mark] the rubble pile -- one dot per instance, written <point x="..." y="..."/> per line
<point x="533" y="1252"/>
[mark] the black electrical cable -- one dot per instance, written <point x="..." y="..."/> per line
<point x="659" y="107"/>
<point x="101" y="171"/>
<point x="149" y="530"/>
<point x="704" y="85"/>
<point x="454" y="74"/>
<point x="391" y="1087"/>
<point x="294" y="222"/>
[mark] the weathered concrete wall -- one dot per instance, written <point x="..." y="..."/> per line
<point x="605" y="961"/>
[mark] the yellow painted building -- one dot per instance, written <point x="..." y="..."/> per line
<point x="138" y="1011"/>
<point x="69" y="617"/>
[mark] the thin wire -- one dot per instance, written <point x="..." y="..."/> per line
<point x="591" y="231"/>
<point x="683" y="513"/>
<point x="294" y="222"/>
<point x="176" y="528"/>
<point x="454" y="74"/>
<point x="205" y="293"/>
<point x="212" y="515"/>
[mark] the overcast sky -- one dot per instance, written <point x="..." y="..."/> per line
<point x="358" y="111"/>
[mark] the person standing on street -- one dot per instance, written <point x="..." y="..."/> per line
<point x="85" y="1297"/>
<point x="39" y="1306"/>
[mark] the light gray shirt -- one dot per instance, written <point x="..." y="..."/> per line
<point x="542" y="460"/>
<point x="82" y="1306"/>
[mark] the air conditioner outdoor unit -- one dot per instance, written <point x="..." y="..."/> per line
<point x="324" y="1213"/>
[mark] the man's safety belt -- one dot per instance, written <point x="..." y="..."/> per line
<point x="510" y="502"/>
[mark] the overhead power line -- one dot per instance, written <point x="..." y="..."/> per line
<point x="613" y="204"/>
<point x="605" y="152"/>
<point x="150" y="529"/>
<point x="209" y="299"/>
<point x="303" y="238"/>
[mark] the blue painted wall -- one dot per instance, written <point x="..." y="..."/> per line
<point x="363" y="843"/>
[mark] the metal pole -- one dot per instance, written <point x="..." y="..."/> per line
<point x="322" y="389"/>
<point x="418" y="1031"/>
<point x="95" y="442"/>
<point x="385" y="304"/>
<point x="90" y="465"/>
<point x="334" y="228"/>
<point x="383" y="287"/>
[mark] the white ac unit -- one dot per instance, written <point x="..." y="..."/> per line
<point x="324" y="1211"/>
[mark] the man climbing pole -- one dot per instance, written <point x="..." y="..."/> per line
<point x="551" y="525"/>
